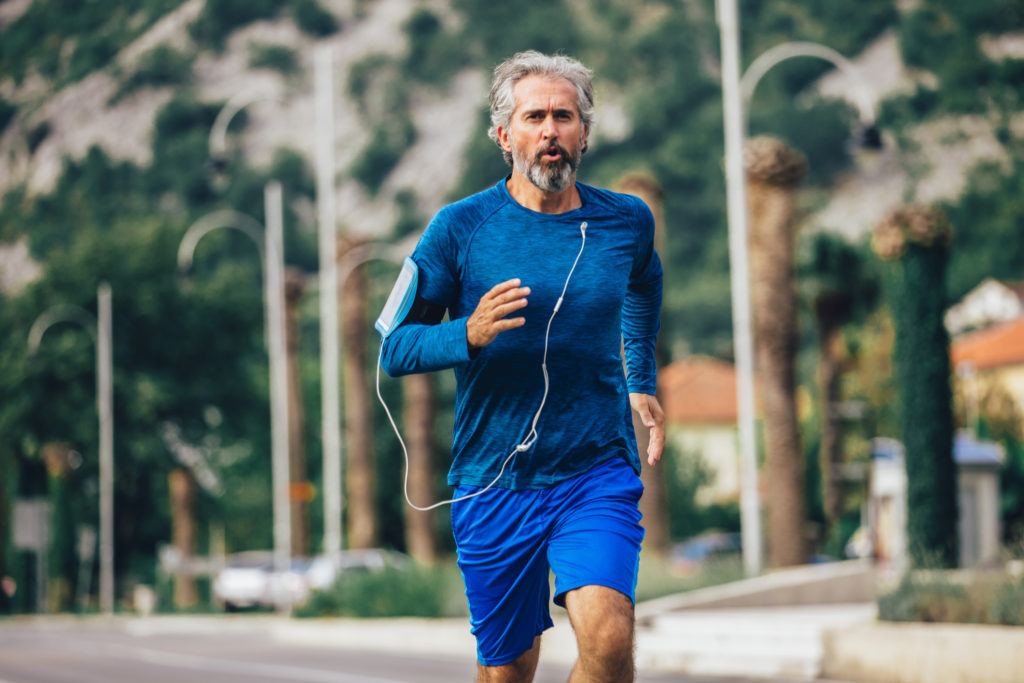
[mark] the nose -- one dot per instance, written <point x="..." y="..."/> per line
<point x="549" y="130"/>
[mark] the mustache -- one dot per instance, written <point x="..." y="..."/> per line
<point x="554" y="146"/>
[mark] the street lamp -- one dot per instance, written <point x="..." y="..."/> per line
<point x="327" y="244"/>
<point x="99" y="327"/>
<point x="736" y="93"/>
<point x="271" y="245"/>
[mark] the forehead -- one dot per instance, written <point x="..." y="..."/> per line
<point x="542" y="92"/>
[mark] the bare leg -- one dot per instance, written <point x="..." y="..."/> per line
<point x="520" y="670"/>
<point x="602" y="619"/>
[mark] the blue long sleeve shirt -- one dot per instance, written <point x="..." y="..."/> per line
<point x="611" y="306"/>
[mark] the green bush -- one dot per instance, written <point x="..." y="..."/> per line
<point x="162" y="66"/>
<point x="415" y="591"/>
<point x="944" y="597"/>
<point x="7" y="112"/>
<point x="220" y="17"/>
<point x="270" y="56"/>
<point x="313" y="19"/>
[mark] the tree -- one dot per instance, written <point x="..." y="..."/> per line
<point x="914" y="240"/>
<point x="773" y="169"/>
<point x="298" y="474"/>
<point x="835" y="284"/>
<point x="418" y="417"/>
<point x="361" y="478"/>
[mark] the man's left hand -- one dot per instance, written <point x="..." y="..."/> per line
<point x="653" y="417"/>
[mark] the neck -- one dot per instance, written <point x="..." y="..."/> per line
<point x="532" y="197"/>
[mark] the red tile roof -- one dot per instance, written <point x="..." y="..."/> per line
<point x="994" y="347"/>
<point x="698" y="389"/>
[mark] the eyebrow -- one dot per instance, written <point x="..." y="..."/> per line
<point x="542" y="110"/>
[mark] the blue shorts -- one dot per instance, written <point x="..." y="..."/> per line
<point x="586" y="529"/>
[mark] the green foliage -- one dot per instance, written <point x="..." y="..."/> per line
<point x="220" y="17"/>
<point x="987" y="217"/>
<point x="66" y="39"/>
<point x="921" y="358"/>
<point x="434" y="55"/>
<point x="407" y="592"/>
<point x="162" y="66"/>
<point x="941" y="597"/>
<point x="389" y="142"/>
<point x="36" y="136"/>
<point x="686" y="474"/>
<point x="313" y="19"/>
<point x="280" y="58"/>
<point x="7" y="113"/>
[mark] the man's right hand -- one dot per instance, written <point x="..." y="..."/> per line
<point x="488" y="320"/>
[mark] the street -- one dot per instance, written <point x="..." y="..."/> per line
<point x="66" y="650"/>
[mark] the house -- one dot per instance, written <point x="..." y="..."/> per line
<point x="990" y="303"/>
<point x="991" y="359"/>
<point x="698" y="395"/>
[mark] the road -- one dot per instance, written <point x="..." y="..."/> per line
<point x="65" y="650"/>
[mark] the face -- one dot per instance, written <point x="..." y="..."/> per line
<point x="545" y="134"/>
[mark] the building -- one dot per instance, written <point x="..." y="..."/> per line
<point x="698" y="395"/>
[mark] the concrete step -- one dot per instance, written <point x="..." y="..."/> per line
<point x="763" y="642"/>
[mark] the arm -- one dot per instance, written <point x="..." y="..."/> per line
<point x="419" y="346"/>
<point x="641" y="320"/>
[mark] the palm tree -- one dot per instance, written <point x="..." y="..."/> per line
<point x="773" y="169"/>
<point x="295" y="283"/>
<point x="835" y="283"/>
<point x="418" y="418"/>
<point x="915" y="240"/>
<point x="360" y="481"/>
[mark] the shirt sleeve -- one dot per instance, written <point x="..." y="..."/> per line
<point x="641" y="310"/>
<point x="415" y="346"/>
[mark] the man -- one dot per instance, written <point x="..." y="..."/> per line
<point x="545" y="280"/>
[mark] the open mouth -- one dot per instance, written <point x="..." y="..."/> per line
<point x="551" y="154"/>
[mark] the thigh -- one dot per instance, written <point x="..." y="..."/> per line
<point x="501" y="553"/>
<point x="597" y="539"/>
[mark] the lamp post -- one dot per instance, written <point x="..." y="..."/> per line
<point x="99" y="327"/>
<point x="271" y="246"/>
<point x="736" y="93"/>
<point x="330" y="412"/>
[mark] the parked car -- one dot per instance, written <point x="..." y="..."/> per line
<point x="248" y="579"/>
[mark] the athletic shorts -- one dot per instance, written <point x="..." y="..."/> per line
<point x="585" y="529"/>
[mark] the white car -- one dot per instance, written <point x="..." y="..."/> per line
<point x="248" y="579"/>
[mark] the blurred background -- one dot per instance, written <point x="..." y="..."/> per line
<point x="124" y="127"/>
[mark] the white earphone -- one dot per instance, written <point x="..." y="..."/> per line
<point x="531" y="436"/>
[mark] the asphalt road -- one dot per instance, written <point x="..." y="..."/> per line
<point x="66" y="651"/>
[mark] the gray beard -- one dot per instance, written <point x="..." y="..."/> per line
<point x="552" y="178"/>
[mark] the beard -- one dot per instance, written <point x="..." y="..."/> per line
<point x="550" y="177"/>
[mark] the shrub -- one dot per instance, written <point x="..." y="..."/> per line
<point x="313" y="19"/>
<point x="161" y="66"/>
<point x="407" y="592"/>
<point x="277" y="57"/>
<point x="951" y="597"/>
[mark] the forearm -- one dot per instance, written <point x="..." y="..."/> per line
<point x="415" y="348"/>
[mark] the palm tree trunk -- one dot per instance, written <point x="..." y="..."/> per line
<point x="182" y="487"/>
<point x="772" y="171"/>
<point x="360" y="480"/>
<point x="418" y="418"/>
<point x="830" y="455"/>
<point x="297" y="467"/>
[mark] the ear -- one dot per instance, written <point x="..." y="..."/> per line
<point x="503" y="140"/>
<point x="583" y="139"/>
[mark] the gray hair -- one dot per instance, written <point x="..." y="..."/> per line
<point x="530" y="63"/>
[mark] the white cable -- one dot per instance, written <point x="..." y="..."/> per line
<point x="532" y="435"/>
